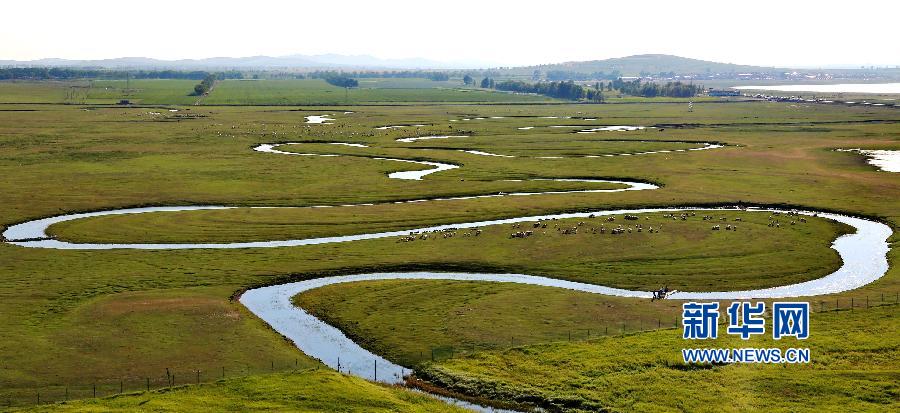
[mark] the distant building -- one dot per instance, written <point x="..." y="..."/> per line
<point x="723" y="92"/>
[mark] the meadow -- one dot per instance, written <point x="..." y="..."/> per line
<point x="253" y="92"/>
<point x="108" y="316"/>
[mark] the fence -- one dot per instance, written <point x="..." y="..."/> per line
<point x="167" y="378"/>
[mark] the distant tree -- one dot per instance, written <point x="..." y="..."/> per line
<point x="342" y="81"/>
<point x="485" y="83"/>
<point x="205" y="85"/>
<point x="536" y="75"/>
<point x="467" y="80"/>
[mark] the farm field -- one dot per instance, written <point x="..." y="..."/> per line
<point x="253" y="92"/>
<point x="109" y="317"/>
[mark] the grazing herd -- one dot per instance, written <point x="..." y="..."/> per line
<point x="792" y="217"/>
<point x="437" y="234"/>
<point x="523" y="230"/>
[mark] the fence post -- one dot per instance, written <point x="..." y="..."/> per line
<point x="867" y="301"/>
<point x="273" y="365"/>
<point x="198" y="376"/>
<point x="39" y="398"/>
<point x="173" y="379"/>
<point x="223" y="372"/>
<point x="121" y="386"/>
<point x="148" y="384"/>
<point x="95" y="390"/>
<point x="432" y="354"/>
<point x="570" y="335"/>
<point x="376" y="369"/>
<point x="851" y="303"/>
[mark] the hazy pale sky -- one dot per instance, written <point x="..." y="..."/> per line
<point x="762" y="32"/>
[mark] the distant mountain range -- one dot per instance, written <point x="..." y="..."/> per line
<point x="621" y="66"/>
<point x="648" y="63"/>
<point x="323" y="61"/>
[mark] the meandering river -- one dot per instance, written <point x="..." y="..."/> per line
<point x="863" y="254"/>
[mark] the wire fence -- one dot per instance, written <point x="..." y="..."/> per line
<point x="132" y="383"/>
<point x="168" y="378"/>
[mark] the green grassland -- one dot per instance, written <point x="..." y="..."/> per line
<point x="317" y="91"/>
<point x="253" y="92"/>
<point x="686" y="253"/>
<point x="850" y="371"/>
<point x="275" y="92"/>
<point x="145" y="92"/>
<point x="90" y="316"/>
<point x="300" y="391"/>
<point x="39" y="92"/>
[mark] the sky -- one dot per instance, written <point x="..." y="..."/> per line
<point x="494" y="33"/>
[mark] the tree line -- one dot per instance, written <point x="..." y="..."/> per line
<point x="205" y="85"/>
<point x="562" y="90"/>
<point x="342" y="81"/>
<point x="573" y="91"/>
<point x="387" y="74"/>
<point x="63" y="73"/>
<point x="653" y="89"/>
